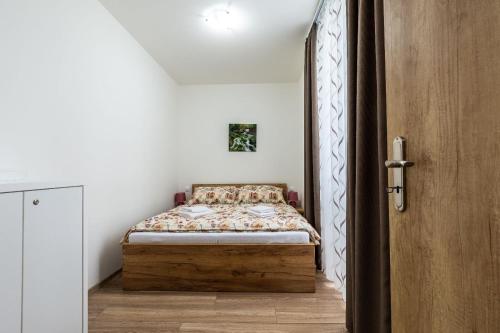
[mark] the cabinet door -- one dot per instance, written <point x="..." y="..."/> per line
<point x="11" y="254"/>
<point x="53" y="261"/>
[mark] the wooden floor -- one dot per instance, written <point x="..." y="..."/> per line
<point x="112" y="310"/>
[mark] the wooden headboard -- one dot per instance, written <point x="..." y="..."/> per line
<point x="283" y="186"/>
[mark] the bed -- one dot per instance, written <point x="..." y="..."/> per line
<point x="230" y="250"/>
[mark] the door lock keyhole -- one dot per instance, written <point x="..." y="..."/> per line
<point x="391" y="189"/>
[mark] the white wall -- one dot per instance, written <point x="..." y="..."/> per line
<point x="80" y="99"/>
<point x="204" y="114"/>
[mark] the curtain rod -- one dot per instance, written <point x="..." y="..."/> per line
<point x="316" y="14"/>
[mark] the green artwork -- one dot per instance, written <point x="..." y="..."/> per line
<point x="243" y="137"/>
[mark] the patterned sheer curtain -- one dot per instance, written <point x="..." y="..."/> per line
<point x="331" y="64"/>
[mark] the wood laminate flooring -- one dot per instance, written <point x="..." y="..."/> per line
<point x="112" y="310"/>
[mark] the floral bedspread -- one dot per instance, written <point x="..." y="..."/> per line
<point x="229" y="218"/>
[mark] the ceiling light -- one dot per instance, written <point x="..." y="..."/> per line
<point x="223" y="18"/>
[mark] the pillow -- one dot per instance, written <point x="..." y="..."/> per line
<point x="214" y="195"/>
<point x="260" y="193"/>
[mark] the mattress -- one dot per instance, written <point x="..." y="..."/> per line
<point x="257" y="237"/>
<point x="230" y="223"/>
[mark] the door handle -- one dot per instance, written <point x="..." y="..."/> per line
<point x="399" y="164"/>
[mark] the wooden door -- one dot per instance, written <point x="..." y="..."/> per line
<point x="11" y="254"/>
<point x="443" y="96"/>
<point x="53" y="261"/>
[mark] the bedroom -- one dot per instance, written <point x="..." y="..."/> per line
<point x="349" y="128"/>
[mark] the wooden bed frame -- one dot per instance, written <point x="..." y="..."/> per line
<point x="220" y="267"/>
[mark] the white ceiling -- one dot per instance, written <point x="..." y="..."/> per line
<point x="268" y="48"/>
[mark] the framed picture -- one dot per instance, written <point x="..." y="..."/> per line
<point x="243" y="137"/>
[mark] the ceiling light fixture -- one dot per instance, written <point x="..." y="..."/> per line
<point x="223" y="18"/>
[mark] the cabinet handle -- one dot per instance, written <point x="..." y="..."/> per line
<point x="36" y="202"/>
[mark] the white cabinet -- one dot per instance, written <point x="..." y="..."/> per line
<point x="53" y="254"/>
<point x="42" y="237"/>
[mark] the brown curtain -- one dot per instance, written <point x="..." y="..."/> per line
<point x="368" y="272"/>
<point x="311" y="138"/>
